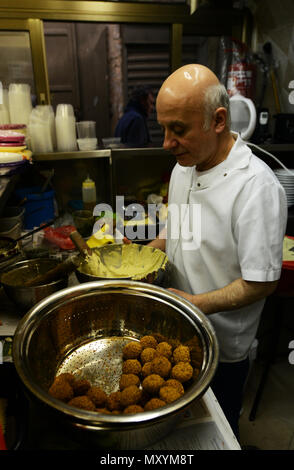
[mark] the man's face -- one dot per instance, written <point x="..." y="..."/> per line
<point x="149" y="104"/>
<point x="185" y="136"/>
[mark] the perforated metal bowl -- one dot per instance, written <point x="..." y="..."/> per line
<point x="82" y="329"/>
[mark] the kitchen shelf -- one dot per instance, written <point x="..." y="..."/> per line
<point x="103" y="153"/>
<point x="100" y="153"/>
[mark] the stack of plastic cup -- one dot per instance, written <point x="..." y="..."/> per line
<point x="42" y="129"/>
<point x="87" y="135"/>
<point x="20" y="103"/>
<point x="65" y="123"/>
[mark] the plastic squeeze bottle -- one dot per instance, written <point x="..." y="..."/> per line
<point x="89" y="194"/>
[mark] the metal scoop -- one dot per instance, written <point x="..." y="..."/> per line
<point x="66" y="267"/>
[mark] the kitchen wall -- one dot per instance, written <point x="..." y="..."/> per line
<point x="274" y="21"/>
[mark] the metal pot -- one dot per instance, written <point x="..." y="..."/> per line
<point x="78" y="328"/>
<point x="26" y="297"/>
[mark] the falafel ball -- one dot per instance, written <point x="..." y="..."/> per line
<point x="152" y="383"/>
<point x="169" y="394"/>
<point x="131" y="366"/>
<point x="133" y="409"/>
<point x="81" y="386"/>
<point x="164" y="349"/>
<point x="147" y="355"/>
<point x="130" y="395"/>
<point x="104" y="410"/>
<point x="153" y="404"/>
<point x="181" y="354"/>
<point x="82" y="402"/>
<point x="182" y="371"/>
<point x="70" y="378"/>
<point x="132" y="350"/>
<point x="161" y="366"/>
<point x="147" y="369"/>
<point x="176" y="384"/>
<point x="97" y="396"/>
<point x="148" y="341"/>
<point x="128" y="379"/>
<point x="113" y="401"/>
<point x="144" y="398"/>
<point x="61" y="390"/>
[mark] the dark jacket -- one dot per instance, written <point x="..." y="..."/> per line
<point x="132" y="127"/>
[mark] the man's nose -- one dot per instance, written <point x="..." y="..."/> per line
<point x="169" y="141"/>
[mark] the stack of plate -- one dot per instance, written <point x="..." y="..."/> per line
<point x="286" y="178"/>
<point x="13" y="151"/>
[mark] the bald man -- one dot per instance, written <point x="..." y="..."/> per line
<point x="227" y="254"/>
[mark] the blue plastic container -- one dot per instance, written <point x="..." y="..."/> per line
<point x="39" y="207"/>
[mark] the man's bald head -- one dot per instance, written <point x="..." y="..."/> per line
<point x="195" y="87"/>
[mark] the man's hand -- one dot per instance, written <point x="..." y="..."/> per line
<point x="183" y="294"/>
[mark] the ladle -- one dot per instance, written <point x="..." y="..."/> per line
<point x="67" y="266"/>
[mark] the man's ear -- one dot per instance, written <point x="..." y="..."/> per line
<point x="220" y="119"/>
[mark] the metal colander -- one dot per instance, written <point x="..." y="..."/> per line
<point x="83" y="329"/>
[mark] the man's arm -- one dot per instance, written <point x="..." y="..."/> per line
<point x="235" y="295"/>
<point x="159" y="242"/>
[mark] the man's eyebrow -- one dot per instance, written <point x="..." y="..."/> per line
<point x="174" y="123"/>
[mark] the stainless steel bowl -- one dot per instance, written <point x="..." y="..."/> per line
<point x="82" y="329"/>
<point x="25" y="298"/>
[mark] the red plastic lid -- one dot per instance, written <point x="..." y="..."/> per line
<point x="11" y="144"/>
<point x="12" y="126"/>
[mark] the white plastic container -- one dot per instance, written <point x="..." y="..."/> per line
<point x="20" y="103"/>
<point x="87" y="143"/>
<point x="89" y="194"/>
<point x="65" y="123"/>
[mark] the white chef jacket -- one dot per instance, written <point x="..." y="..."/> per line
<point x="233" y="221"/>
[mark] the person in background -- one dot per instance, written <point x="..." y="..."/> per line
<point x="132" y="127"/>
<point x="229" y="259"/>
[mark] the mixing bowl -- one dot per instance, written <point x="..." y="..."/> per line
<point x="129" y="262"/>
<point x="13" y="276"/>
<point x="82" y="330"/>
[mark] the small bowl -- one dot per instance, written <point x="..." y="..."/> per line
<point x="13" y="214"/>
<point x="10" y="228"/>
<point x="84" y="221"/>
<point x="87" y="143"/>
<point x="15" y="274"/>
<point x="111" y="142"/>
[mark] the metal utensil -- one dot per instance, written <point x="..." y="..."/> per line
<point x="38" y="229"/>
<point x="80" y="244"/>
<point x="58" y="272"/>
